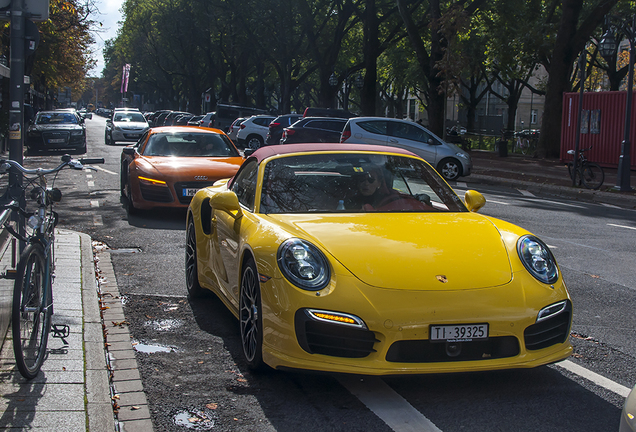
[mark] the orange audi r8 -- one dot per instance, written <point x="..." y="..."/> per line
<point x="168" y="165"/>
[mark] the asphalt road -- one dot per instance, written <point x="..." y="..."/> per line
<point x="202" y="375"/>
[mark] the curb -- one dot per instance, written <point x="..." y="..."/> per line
<point x="129" y="401"/>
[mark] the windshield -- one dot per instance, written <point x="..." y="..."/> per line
<point x="190" y="144"/>
<point x="129" y="117"/>
<point x="56" y="118"/>
<point x="357" y="183"/>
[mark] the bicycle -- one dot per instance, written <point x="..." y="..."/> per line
<point x="32" y="307"/>
<point x="590" y="174"/>
<point x="526" y="143"/>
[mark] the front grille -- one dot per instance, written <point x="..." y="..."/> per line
<point x="425" y="351"/>
<point x="155" y="193"/>
<point x="332" y="339"/>
<point x="58" y="139"/>
<point x="181" y="186"/>
<point x="552" y="331"/>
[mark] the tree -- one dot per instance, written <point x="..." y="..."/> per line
<point x="576" y="21"/>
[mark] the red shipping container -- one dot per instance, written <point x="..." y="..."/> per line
<point x="602" y="126"/>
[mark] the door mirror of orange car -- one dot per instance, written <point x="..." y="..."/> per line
<point x="130" y="151"/>
<point x="474" y="200"/>
<point x="226" y="201"/>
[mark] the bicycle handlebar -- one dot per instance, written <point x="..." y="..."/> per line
<point x="5" y="164"/>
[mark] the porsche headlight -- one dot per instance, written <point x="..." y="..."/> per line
<point x="537" y="258"/>
<point x="303" y="264"/>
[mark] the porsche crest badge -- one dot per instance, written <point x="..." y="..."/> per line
<point x="442" y="278"/>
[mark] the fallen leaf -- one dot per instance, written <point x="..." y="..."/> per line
<point x="115" y="397"/>
<point x="200" y="362"/>
<point x="194" y="419"/>
<point x="134" y="407"/>
<point x="63" y="368"/>
<point x="596" y="276"/>
<point x="241" y="380"/>
<point x="212" y="406"/>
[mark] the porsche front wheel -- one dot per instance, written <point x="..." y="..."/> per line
<point x="250" y="316"/>
<point x="192" y="278"/>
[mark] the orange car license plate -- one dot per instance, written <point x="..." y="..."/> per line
<point x="458" y="333"/>
<point x="189" y="192"/>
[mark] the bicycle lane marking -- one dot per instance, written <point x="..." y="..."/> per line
<point x="388" y="405"/>
<point x="597" y="379"/>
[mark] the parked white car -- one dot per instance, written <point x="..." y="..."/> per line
<point x="125" y="125"/>
<point x="234" y="128"/>
<point x="253" y="131"/>
<point x="449" y="160"/>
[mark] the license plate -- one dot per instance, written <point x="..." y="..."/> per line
<point x="56" y="140"/>
<point x="189" y="192"/>
<point x="458" y="333"/>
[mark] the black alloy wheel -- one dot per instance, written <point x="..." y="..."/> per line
<point x="192" y="277"/>
<point x="250" y="317"/>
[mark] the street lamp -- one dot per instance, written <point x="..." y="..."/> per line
<point x="607" y="49"/>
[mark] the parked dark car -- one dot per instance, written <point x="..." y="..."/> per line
<point x="57" y="130"/>
<point x="195" y="120"/>
<point x="314" y="130"/>
<point x="327" y="112"/>
<point x="277" y="125"/>
<point x="152" y="120"/>
<point x="183" y="120"/>
<point x="171" y="119"/>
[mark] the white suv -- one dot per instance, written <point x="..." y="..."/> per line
<point x="125" y="125"/>
<point x="449" y="160"/>
<point x="253" y="131"/>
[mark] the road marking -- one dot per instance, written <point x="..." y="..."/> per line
<point x="89" y="175"/>
<point x="562" y="203"/>
<point x="622" y="226"/>
<point x="91" y="183"/>
<point x="610" y="206"/>
<point x="526" y="193"/>
<point x="97" y="220"/>
<point x="106" y="171"/>
<point x="497" y="202"/>
<point x="94" y="203"/>
<point x="594" y="377"/>
<point x="389" y="406"/>
<point x="461" y="184"/>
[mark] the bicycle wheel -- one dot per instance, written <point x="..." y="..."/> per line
<point x="592" y="175"/>
<point x="525" y="146"/>
<point x="31" y="318"/>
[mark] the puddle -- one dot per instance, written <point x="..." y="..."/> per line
<point x="151" y="348"/>
<point x="165" y="324"/>
<point x="195" y="421"/>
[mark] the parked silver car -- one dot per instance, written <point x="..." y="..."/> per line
<point x="125" y="125"/>
<point x="628" y="415"/>
<point x="449" y="160"/>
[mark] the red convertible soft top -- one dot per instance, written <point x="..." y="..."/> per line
<point x="268" y="151"/>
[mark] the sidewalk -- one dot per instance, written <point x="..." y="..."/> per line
<point x="79" y="387"/>
<point x="545" y="176"/>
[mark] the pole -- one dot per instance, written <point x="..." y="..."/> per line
<point x="623" y="177"/>
<point x="580" y="115"/>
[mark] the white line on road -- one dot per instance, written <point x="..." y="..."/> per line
<point x="594" y="377"/>
<point x="97" y="220"/>
<point x="462" y="185"/>
<point x="389" y="406"/>
<point x="106" y="171"/>
<point x="89" y="176"/>
<point x="497" y="202"/>
<point x="94" y="203"/>
<point x="91" y="183"/>
<point x="610" y="205"/>
<point x="622" y="226"/>
<point x="525" y="193"/>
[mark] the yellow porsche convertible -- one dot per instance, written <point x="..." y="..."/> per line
<point x="361" y="259"/>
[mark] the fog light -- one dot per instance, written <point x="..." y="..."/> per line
<point x="336" y="318"/>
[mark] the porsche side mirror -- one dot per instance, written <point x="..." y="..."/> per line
<point x="227" y="201"/>
<point x="474" y="200"/>
<point x="130" y="151"/>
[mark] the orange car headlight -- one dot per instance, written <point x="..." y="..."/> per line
<point x="151" y="181"/>
<point x="303" y="264"/>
